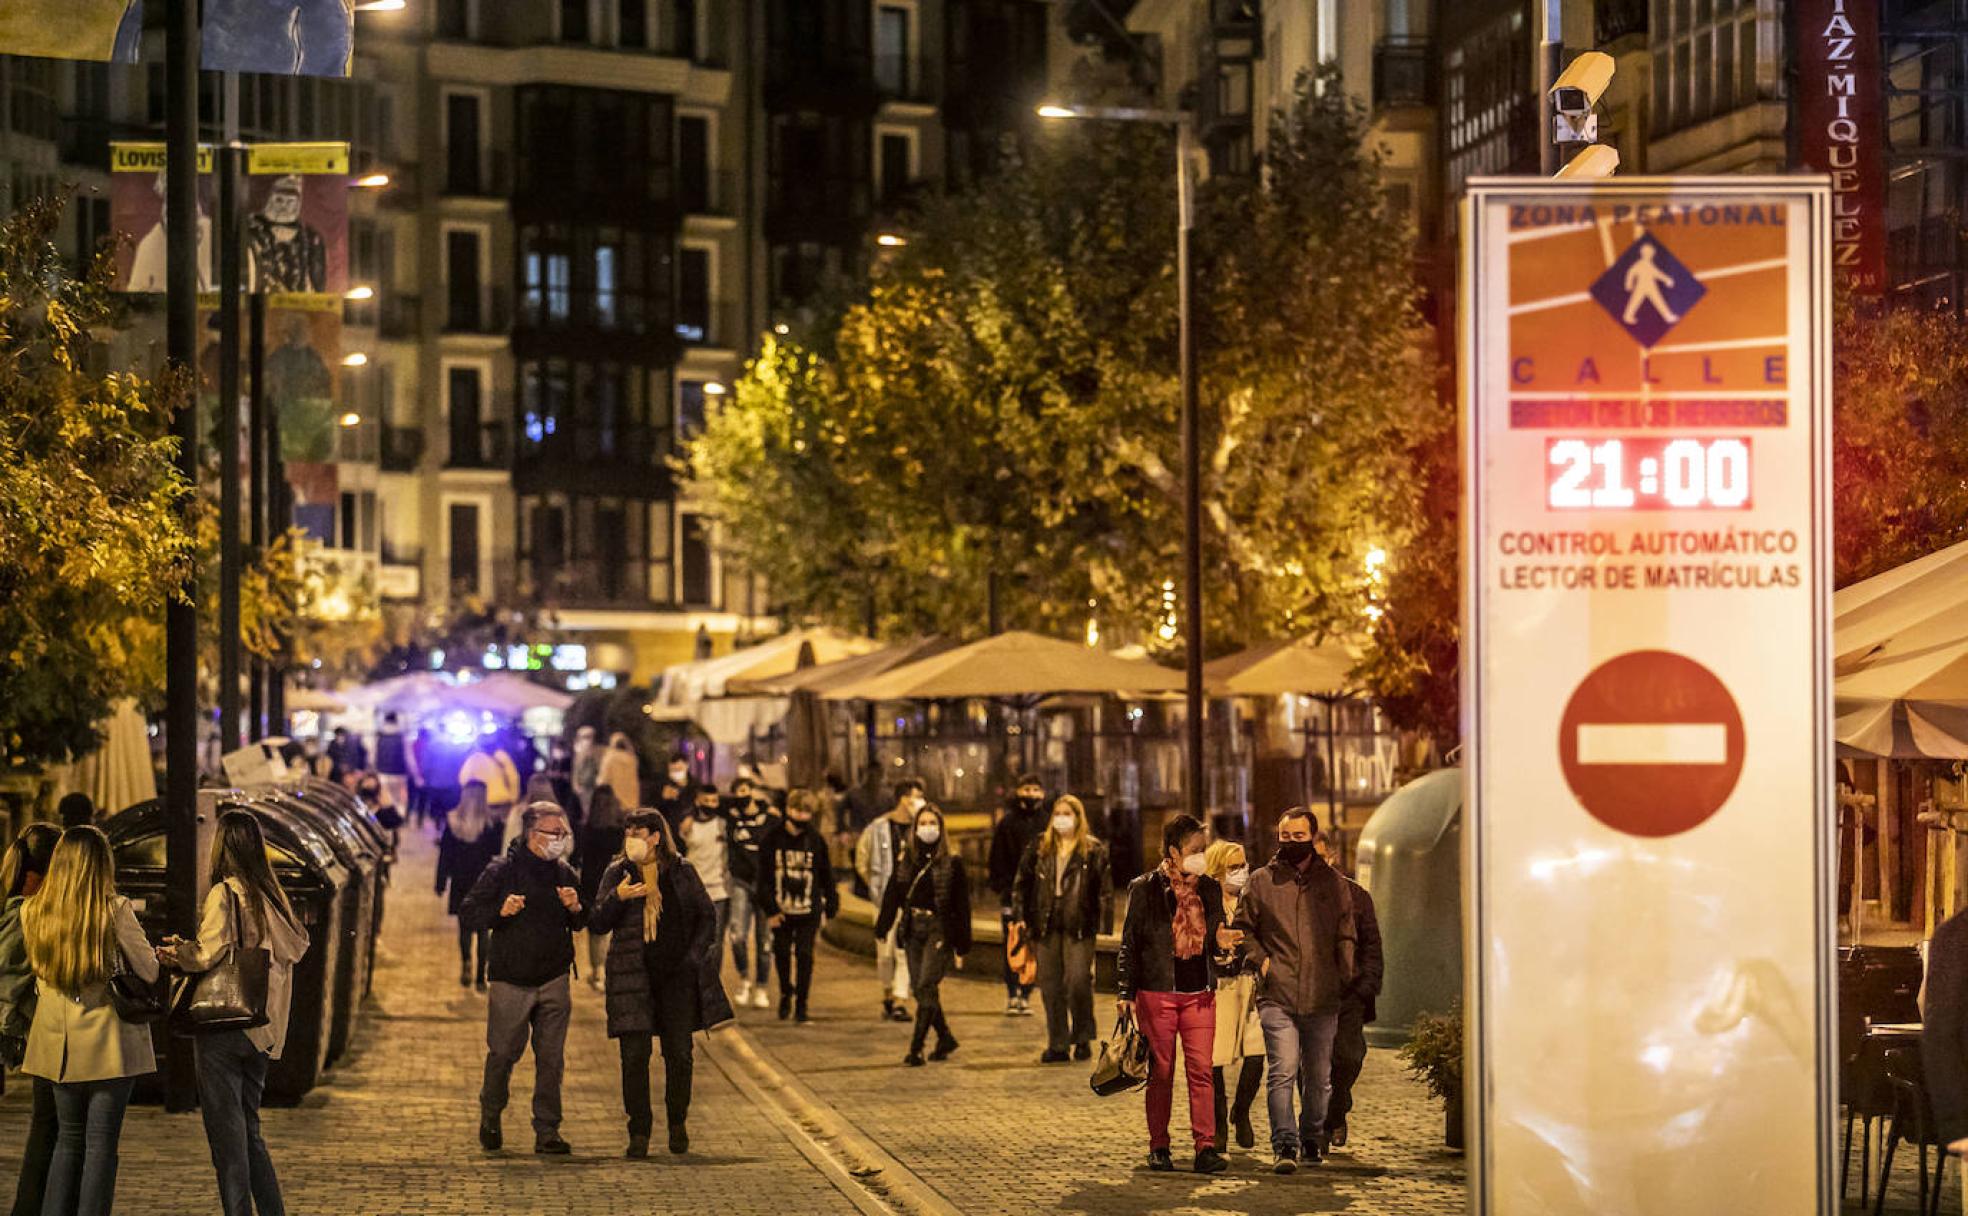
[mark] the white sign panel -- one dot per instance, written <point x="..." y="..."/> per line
<point x="1646" y="696"/>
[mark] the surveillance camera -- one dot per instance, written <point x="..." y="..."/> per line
<point x="1577" y="90"/>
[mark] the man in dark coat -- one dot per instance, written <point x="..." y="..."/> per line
<point x="1944" y="1033"/>
<point x="662" y="981"/>
<point x="1023" y="819"/>
<point x="528" y="899"/>
<point x="1356" y="1004"/>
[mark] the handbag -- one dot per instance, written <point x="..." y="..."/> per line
<point x="134" y="998"/>
<point x="1124" y="1061"/>
<point x="232" y="995"/>
<point x="1020" y="956"/>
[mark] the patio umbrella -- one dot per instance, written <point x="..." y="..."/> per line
<point x="1908" y="697"/>
<point x="689" y="684"/>
<point x="315" y="699"/>
<point x="1867" y="615"/>
<point x="119" y="773"/>
<point x="1301" y="666"/>
<point x="503" y="692"/>
<point x="1014" y="665"/>
<point x="825" y="676"/>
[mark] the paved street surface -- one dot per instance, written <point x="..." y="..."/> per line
<point x="818" y="1120"/>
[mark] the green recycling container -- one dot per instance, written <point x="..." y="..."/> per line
<point x="1410" y="861"/>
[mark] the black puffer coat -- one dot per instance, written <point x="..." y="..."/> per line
<point x="628" y="980"/>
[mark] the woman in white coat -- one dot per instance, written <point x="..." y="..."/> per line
<point x="77" y="928"/>
<point x="245" y="907"/>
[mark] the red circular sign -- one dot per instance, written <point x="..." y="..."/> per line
<point x="1651" y="743"/>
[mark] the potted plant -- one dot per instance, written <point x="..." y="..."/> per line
<point x="1434" y="1056"/>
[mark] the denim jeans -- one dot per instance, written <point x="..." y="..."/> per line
<point x="1300" y="1048"/>
<point x="231" y="1078"/>
<point x="41" y="1131"/>
<point x="743" y="921"/>
<point x="82" y="1175"/>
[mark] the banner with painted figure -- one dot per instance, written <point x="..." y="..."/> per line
<point x="296" y="219"/>
<point x="136" y="213"/>
<point x="283" y="37"/>
<point x="108" y="30"/>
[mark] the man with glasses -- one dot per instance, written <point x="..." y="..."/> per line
<point x="529" y="900"/>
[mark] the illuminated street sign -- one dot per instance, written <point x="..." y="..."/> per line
<point x="1646" y="696"/>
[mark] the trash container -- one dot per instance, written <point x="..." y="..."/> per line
<point x="1410" y="860"/>
<point x="358" y="904"/>
<point x="307" y="870"/>
<point x="362" y="817"/>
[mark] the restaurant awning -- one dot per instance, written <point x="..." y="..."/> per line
<point x="1299" y="666"/>
<point x="1012" y="665"/>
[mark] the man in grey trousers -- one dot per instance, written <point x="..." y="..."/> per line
<point x="530" y="900"/>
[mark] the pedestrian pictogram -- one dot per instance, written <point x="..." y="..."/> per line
<point x="1648" y="290"/>
<point x="1651" y="743"/>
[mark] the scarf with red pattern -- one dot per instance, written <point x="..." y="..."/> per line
<point x="1189" y="923"/>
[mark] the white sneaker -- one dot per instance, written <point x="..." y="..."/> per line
<point x="759" y="999"/>
<point x="1011" y="1006"/>
<point x="744" y="994"/>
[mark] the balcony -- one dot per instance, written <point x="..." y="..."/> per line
<point x="903" y="77"/>
<point x="403" y="449"/>
<point x="585" y="583"/>
<point x="356" y="444"/>
<point x="1403" y="73"/>
<point x="715" y="326"/>
<point x="480" y="446"/>
<point x="485" y="311"/>
<point x="399" y="316"/>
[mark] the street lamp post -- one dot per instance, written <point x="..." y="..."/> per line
<point x="1192" y="479"/>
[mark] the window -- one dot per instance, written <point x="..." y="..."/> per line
<point x="454" y="18"/>
<point x="462" y="276"/>
<point x="632" y="24"/>
<point x="683" y="29"/>
<point x="892" y="50"/>
<point x="91" y="228"/>
<point x="464" y="403"/>
<point x="606" y="261"/>
<point x="594" y="276"/>
<point x="462" y="151"/>
<point x="690" y="409"/>
<point x="661" y="570"/>
<point x="694" y="163"/>
<point x="696" y="562"/>
<point x="693" y="323"/>
<point x="1704" y="60"/>
<point x="463" y="531"/>
<point x="574" y="20"/>
<point x="895" y="164"/>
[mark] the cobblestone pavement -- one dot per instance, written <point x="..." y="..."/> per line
<point x="394" y="1129"/>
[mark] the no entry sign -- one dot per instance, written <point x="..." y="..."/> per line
<point x="1646" y="696"/>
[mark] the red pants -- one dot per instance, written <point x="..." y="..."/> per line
<point x="1191" y="1015"/>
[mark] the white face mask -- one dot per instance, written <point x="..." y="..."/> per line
<point x="1062" y="825"/>
<point x="1193" y="864"/>
<point x="560" y="847"/>
<point x="929" y="833"/>
<point x="917" y="803"/>
<point x="677" y="775"/>
<point x="1237" y="877"/>
<point x="636" y="849"/>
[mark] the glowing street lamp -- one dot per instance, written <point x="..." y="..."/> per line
<point x="355" y="358"/>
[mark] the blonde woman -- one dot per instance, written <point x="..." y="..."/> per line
<point x="1062" y="900"/>
<point x="74" y="926"/>
<point x="1239" y="1037"/>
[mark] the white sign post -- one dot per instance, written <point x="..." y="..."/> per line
<point x="1646" y="686"/>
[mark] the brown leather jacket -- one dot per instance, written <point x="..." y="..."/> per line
<point x="1301" y="924"/>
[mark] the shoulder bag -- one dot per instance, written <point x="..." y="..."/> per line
<point x="1124" y="1060"/>
<point x="134" y="998"/>
<point x="232" y="995"/>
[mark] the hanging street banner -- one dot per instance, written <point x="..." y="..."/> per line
<point x="295" y="221"/>
<point x="280" y="37"/>
<point x="1646" y="696"/>
<point x="107" y="30"/>
<point x="1841" y="100"/>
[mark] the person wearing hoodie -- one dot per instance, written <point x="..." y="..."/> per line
<point x="468" y="845"/>
<point x="927" y="904"/>
<point x="878" y="854"/>
<point x="26" y="864"/>
<point x="530" y="901"/>
<point x="796" y="895"/>
<point x="1024" y="818"/>
<point x="244" y="909"/>
<point x="748" y="822"/>
<point x="663" y="985"/>
<point x="1300" y="932"/>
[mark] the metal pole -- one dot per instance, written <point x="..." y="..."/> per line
<point x="230" y="154"/>
<point x="1192" y="477"/>
<point x="181" y="616"/>
<point x="1550" y="53"/>
<point x="258" y="500"/>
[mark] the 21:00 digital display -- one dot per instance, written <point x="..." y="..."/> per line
<point x="1643" y="473"/>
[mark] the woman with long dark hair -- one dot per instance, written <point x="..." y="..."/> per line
<point x="245" y="909"/>
<point x="929" y="897"/>
<point x="21" y="873"/>
<point x="662" y="971"/>
<point x="74" y="926"/>
<point x="467" y="846"/>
